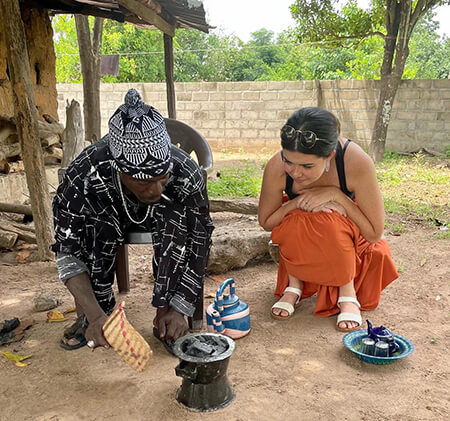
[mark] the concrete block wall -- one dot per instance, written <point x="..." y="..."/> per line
<point x="249" y="115"/>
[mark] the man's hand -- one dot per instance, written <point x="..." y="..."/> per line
<point x="94" y="332"/>
<point x="81" y="289"/>
<point x="170" y="323"/>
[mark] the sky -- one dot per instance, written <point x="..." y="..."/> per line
<point x="273" y="15"/>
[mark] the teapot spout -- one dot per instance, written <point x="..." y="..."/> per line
<point x="369" y="327"/>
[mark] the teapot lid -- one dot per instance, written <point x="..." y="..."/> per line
<point x="379" y="331"/>
<point x="229" y="300"/>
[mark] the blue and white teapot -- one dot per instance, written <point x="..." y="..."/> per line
<point x="227" y="314"/>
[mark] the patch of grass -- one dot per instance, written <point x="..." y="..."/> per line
<point x="414" y="208"/>
<point x="417" y="186"/>
<point x="391" y="155"/>
<point x="399" y="228"/>
<point x="413" y="187"/>
<point x="442" y="234"/>
<point x="446" y="151"/>
<point x="244" y="180"/>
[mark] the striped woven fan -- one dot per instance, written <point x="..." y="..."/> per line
<point x="125" y="340"/>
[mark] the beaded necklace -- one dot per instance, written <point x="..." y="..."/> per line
<point x="125" y="203"/>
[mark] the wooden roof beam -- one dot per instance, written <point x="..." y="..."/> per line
<point x="148" y="15"/>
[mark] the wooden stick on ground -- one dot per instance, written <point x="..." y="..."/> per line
<point x="23" y="235"/>
<point x="243" y="206"/>
<point x="15" y="208"/>
<point x="7" y="239"/>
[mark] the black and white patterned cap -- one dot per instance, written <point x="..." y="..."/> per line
<point x="138" y="139"/>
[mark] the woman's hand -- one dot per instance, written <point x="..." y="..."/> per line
<point x="311" y="199"/>
<point x="330" y="207"/>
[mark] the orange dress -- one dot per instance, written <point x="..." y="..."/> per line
<point x="326" y="251"/>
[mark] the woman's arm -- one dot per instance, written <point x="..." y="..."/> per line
<point x="368" y="211"/>
<point x="271" y="210"/>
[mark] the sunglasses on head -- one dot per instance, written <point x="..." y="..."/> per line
<point x="307" y="138"/>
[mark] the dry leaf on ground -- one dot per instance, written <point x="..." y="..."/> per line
<point x="70" y="310"/>
<point x="15" y="357"/>
<point x="22" y="256"/>
<point x="25" y="246"/>
<point x="21" y="364"/>
<point x="56" y="316"/>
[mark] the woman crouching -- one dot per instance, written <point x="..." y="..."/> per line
<point x="321" y="200"/>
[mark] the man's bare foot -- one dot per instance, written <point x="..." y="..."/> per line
<point x="73" y="337"/>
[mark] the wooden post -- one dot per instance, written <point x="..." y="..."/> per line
<point x="90" y="51"/>
<point x="26" y="123"/>
<point x="168" y="66"/>
<point x="73" y="135"/>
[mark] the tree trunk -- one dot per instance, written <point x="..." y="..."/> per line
<point x="27" y="127"/>
<point x="90" y="51"/>
<point x="73" y="135"/>
<point x="388" y="91"/>
<point x="168" y="66"/>
<point x="400" y="23"/>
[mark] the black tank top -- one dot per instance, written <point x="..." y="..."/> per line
<point x="339" y="158"/>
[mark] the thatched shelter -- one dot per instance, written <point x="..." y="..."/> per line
<point x="28" y="98"/>
<point x="165" y="15"/>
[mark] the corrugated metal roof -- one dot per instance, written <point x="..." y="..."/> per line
<point x="180" y="13"/>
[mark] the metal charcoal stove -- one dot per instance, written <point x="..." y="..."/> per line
<point x="203" y="366"/>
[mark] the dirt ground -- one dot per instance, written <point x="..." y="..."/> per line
<point x="294" y="370"/>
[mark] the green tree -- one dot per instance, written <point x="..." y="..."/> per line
<point x="68" y="68"/>
<point x="263" y="43"/>
<point x="141" y="52"/>
<point x="429" y="55"/>
<point x="200" y="56"/>
<point x="392" y="20"/>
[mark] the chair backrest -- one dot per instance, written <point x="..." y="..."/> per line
<point x="190" y="140"/>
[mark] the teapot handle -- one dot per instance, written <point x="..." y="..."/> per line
<point x="219" y="294"/>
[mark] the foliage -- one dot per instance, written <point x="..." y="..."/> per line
<point x="320" y="21"/>
<point x="68" y="68"/>
<point x="214" y="57"/>
<point x="130" y="41"/>
<point x="429" y="55"/>
<point x="392" y="20"/>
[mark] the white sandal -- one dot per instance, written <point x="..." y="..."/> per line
<point x="348" y="317"/>
<point x="282" y="305"/>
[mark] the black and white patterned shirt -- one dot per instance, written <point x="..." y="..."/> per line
<point x="90" y="222"/>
